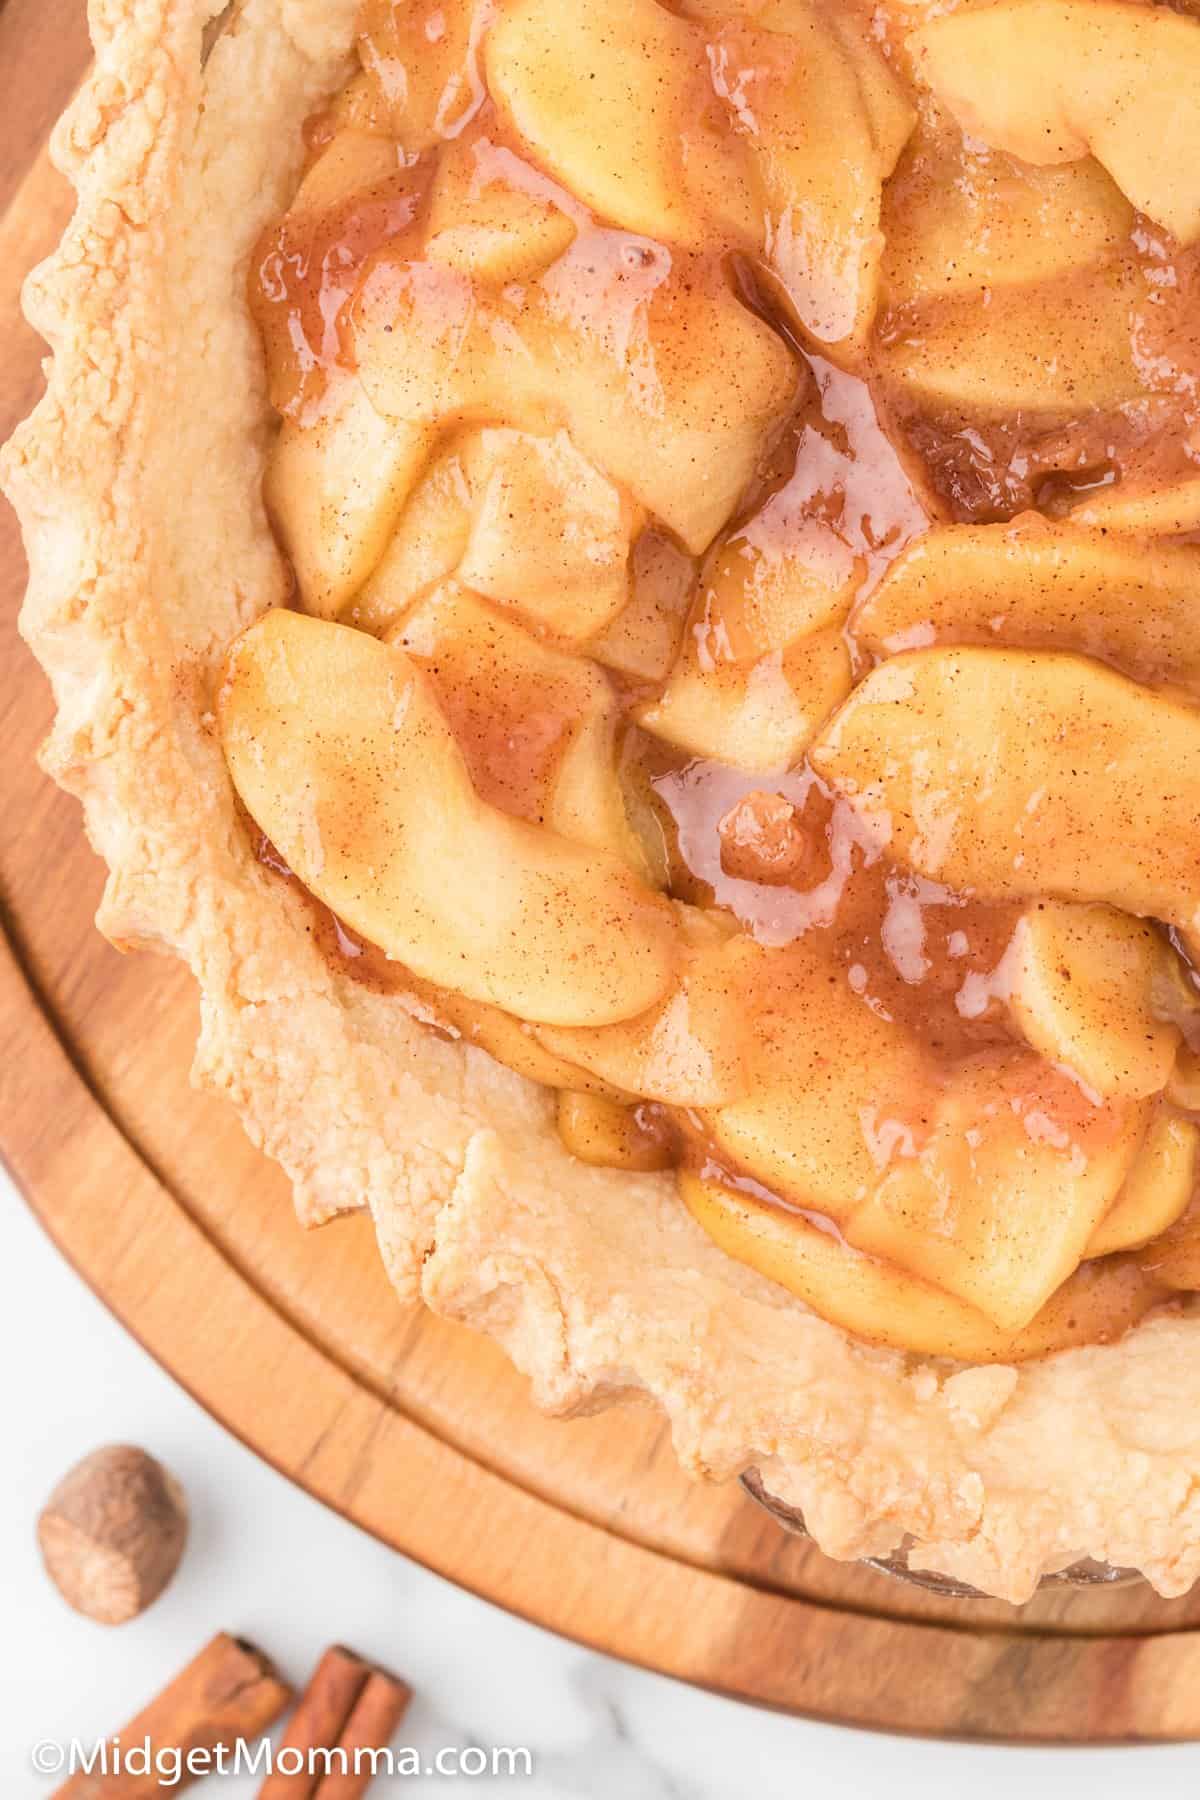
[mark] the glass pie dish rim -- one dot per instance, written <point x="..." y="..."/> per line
<point x="1084" y="1573"/>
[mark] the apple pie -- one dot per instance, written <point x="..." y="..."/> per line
<point x="622" y="581"/>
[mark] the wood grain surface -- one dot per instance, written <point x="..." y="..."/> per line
<point x="416" y="1430"/>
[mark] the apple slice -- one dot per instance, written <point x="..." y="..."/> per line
<point x="424" y="344"/>
<point x="1183" y="1087"/>
<point x="882" y="1304"/>
<point x="1001" y="1199"/>
<point x="1051" y="80"/>
<point x="335" y="489"/>
<point x="359" y="193"/>
<point x="587" y="803"/>
<point x="758" y="716"/>
<point x="830" y="1076"/>
<point x="551" y="534"/>
<point x="1098" y="1304"/>
<point x="697" y="1047"/>
<point x="1158" y="1189"/>
<point x="508" y="1040"/>
<point x="1050" y="348"/>
<point x="782" y="576"/>
<point x="470" y="515"/>
<point x="427" y="544"/>
<point x="537" y="726"/>
<point x="1023" y="774"/>
<point x="827" y="122"/>
<point x="609" y="95"/>
<point x="352" y="163"/>
<point x="423" y="59"/>
<point x="1038" y="585"/>
<point x="610" y="1135"/>
<point x="491" y="216"/>
<point x="1156" y="509"/>
<point x="1174" y="1258"/>
<point x="960" y="218"/>
<point x="886" y="99"/>
<point x="1082" y="987"/>
<point x="361" y="106"/>
<point x="630" y="331"/>
<point x="339" y="750"/>
<point x="643" y="639"/>
<point x="646" y="402"/>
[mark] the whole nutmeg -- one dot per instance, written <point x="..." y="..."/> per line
<point x="112" y="1533"/>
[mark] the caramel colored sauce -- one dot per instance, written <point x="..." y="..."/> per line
<point x="835" y="480"/>
<point x="514" y="742"/>
<point x="909" y="950"/>
<point x="859" y="470"/>
<point x="307" y="270"/>
<point x="986" y="470"/>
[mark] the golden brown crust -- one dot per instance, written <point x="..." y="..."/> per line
<point x="149" y="549"/>
<point x="137" y="482"/>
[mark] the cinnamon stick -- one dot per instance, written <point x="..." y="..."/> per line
<point x="229" y="1691"/>
<point x="371" y="1726"/>
<point x="318" y="1721"/>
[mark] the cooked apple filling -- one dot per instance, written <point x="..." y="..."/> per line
<point x="740" y="461"/>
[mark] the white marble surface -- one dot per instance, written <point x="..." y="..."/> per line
<point x="596" y="1729"/>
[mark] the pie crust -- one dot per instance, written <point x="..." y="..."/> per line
<point x="137" y="481"/>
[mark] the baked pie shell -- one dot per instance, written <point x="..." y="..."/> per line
<point x="138" y="483"/>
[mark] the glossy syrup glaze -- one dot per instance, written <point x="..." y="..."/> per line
<point x="801" y="919"/>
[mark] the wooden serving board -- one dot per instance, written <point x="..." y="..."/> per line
<point x="413" y="1428"/>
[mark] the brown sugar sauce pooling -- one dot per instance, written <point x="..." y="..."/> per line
<point x="791" y="861"/>
<point x="865" y="463"/>
<point x="795" y="867"/>
<point x="306" y="273"/>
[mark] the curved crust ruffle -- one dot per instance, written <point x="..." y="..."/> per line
<point x="137" y="481"/>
